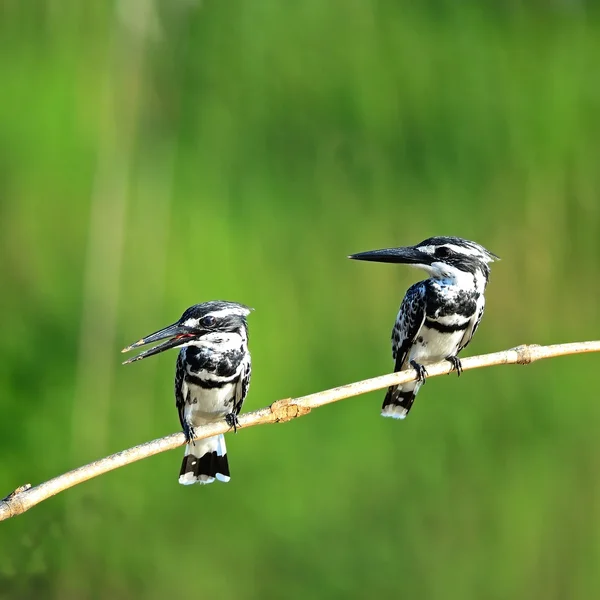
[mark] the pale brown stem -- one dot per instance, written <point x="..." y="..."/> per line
<point x="24" y="497"/>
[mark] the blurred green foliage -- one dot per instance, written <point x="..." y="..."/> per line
<point x="154" y="155"/>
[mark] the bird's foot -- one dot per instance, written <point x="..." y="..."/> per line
<point x="232" y="420"/>
<point x="421" y="371"/>
<point x="190" y="433"/>
<point x="456" y="364"/>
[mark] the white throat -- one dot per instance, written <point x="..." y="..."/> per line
<point x="449" y="275"/>
<point x="220" y="341"/>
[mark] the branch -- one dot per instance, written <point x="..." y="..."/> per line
<point x="24" y="497"/>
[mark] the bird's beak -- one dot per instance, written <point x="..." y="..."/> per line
<point x="177" y="333"/>
<point x="408" y="255"/>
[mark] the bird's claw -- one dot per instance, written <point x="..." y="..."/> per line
<point x="232" y="420"/>
<point x="456" y="364"/>
<point x="190" y="434"/>
<point x="421" y="371"/>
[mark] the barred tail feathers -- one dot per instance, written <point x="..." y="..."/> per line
<point x="204" y="461"/>
<point x="399" y="400"/>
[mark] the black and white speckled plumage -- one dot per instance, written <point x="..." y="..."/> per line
<point x="438" y="316"/>
<point x="211" y="382"/>
<point x="211" y="379"/>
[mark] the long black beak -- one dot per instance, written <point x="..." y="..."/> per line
<point x="178" y="333"/>
<point x="407" y="255"/>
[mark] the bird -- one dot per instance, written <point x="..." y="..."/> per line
<point x="212" y="377"/>
<point x="438" y="316"/>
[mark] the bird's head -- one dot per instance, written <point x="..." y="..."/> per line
<point x="441" y="257"/>
<point x="196" y="323"/>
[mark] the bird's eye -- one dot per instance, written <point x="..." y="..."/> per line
<point x="208" y="321"/>
<point x="442" y="252"/>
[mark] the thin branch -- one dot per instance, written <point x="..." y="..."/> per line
<point x="24" y="497"/>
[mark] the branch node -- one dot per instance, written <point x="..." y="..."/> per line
<point x="13" y="504"/>
<point x="285" y="410"/>
<point x="19" y="490"/>
<point x="526" y="353"/>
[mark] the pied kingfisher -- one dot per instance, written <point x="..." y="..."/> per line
<point x="211" y="379"/>
<point x="438" y="316"/>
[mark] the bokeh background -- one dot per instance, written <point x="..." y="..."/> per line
<point x="158" y="154"/>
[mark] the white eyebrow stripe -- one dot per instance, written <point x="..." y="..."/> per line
<point x="226" y="312"/>
<point x="427" y="249"/>
<point x="464" y="249"/>
<point x="190" y="322"/>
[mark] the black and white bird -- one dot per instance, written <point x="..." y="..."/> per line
<point x="438" y="316"/>
<point x="211" y="379"/>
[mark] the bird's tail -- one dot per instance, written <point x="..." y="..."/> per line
<point x="204" y="461"/>
<point x="399" y="400"/>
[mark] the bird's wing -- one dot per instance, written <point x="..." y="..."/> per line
<point x="472" y="328"/>
<point x="408" y="323"/>
<point x="241" y="389"/>
<point x="179" y="399"/>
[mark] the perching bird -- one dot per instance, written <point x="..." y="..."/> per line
<point x="438" y="316"/>
<point x="211" y="379"/>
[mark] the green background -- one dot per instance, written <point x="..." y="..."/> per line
<point x="158" y="154"/>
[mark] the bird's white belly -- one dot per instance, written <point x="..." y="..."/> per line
<point x="211" y="404"/>
<point x="431" y="346"/>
